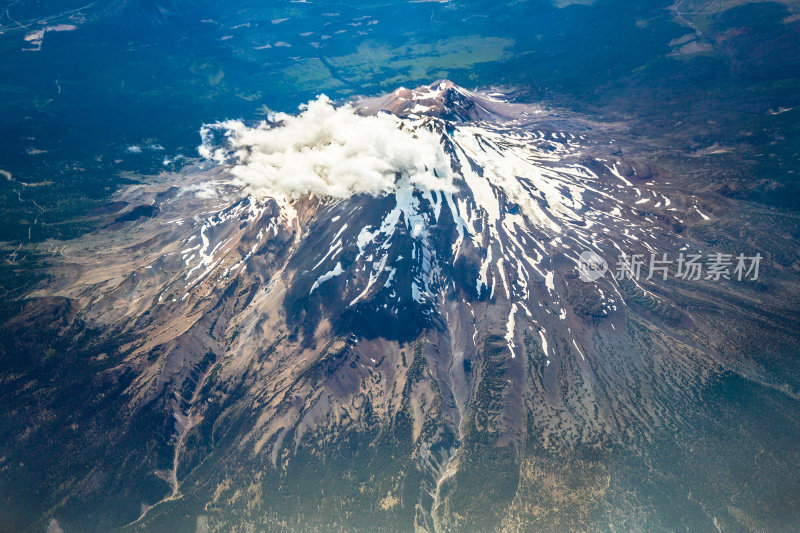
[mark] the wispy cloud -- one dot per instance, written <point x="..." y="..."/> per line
<point x="329" y="151"/>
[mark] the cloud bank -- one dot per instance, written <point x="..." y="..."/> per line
<point x="327" y="151"/>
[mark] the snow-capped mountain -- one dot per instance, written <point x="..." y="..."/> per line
<point x="369" y="358"/>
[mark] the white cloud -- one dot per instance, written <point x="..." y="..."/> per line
<point x="328" y="151"/>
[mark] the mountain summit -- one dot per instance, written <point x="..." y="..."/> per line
<point x="443" y="99"/>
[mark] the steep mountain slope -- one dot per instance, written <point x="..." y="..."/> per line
<point x="237" y="353"/>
